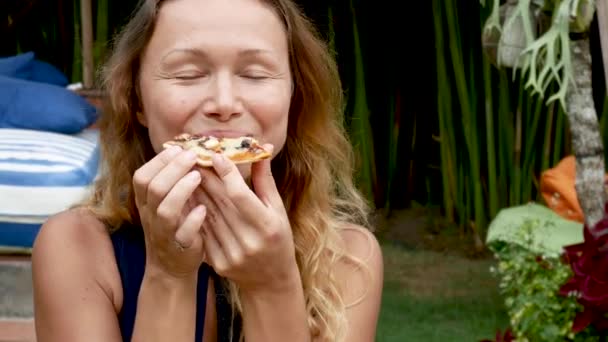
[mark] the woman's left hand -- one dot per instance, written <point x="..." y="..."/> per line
<point x="247" y="234"/>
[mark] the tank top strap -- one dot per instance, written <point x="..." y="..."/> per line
<point x="130" y="253"/>
<point x="225" y="312"/>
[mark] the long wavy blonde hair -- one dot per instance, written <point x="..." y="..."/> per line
<point x="313" y="172"/>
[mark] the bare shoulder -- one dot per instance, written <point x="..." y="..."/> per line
<point x="72" y="233"/>
<point x="74" y="225"/>
<point x="361" y="271"/>
<point x="362" y="244"/>
<point x="73" y="266"/>
<point x="360" y="279"/>
<point x="80" y="243"/>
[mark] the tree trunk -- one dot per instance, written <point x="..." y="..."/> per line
<point x="586" y="140"/>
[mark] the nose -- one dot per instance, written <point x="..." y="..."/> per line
<point x="223" y="103"/>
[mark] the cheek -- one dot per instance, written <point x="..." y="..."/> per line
<point x="169" y="101"/>
<point x="272" y="113"/>
<point x="166" y="116"/>
<point x="274" y="124"/>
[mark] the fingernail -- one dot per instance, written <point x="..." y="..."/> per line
<point x="269" y="147"/>
<point x="190" y="155"/>
<point x="174" y="150"/>
<point x="218" y="160"/>
<point x="193" y="175"/>
<point x="201" y="209"/>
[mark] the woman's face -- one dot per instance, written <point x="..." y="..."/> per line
<point x="216" y="67"/>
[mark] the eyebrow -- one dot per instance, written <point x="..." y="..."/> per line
<point x="201" y="53"/>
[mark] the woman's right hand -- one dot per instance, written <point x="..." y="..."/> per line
<point x="170" y="217"/>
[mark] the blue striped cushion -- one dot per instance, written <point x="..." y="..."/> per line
<point x="37" y="158"/>
<point x="42" y="173"/>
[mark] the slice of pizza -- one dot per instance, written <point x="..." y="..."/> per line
<point x="240" y="150"/>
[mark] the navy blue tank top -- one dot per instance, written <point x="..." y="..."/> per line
<point x="130" y="253"/>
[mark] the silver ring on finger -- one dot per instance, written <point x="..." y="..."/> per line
<point x="179" y="246"/>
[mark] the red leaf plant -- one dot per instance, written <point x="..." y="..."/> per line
<point x="507" y="337"/>
<point x="589" y="282"/>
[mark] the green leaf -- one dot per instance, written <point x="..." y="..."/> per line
<point x="550" y="234"/>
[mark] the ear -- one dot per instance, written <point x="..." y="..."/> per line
<point x="141" y="118"/>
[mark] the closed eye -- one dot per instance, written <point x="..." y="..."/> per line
<point x="188" y="77"/>
<point x="255" y="77"/>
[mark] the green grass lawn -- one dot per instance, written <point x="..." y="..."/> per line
<point x="429" y="296"/>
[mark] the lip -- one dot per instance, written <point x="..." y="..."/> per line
<point x="225" y="133"/>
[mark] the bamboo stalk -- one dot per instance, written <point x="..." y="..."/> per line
<point x="529" y="150"/>
<point x="493" y="194"/>
<point x="505" y="138"/>
<point x="560" y="132"/>
<point x="546" y="161"/>
<point x="87" y="43"/>
<point x="516" y="186"/>
<point x="360" y="125"/>
<point x="331" y="29"/>
<point x="447" y="164"/>
<point x="481" y="214"/>
<point x="522" y="112"/>
<point x="447" y="142"/>
<point x="76" y="72"/>
<point x="393" y="144"/>
<point x="467" y="111"/>
<point x="551" y="128"/>
<point x="101" y="32"/>
<point x="464" y="209"/>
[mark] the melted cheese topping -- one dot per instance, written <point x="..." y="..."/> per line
<point x="228" y="146"/>
<point x="211" y="144"/>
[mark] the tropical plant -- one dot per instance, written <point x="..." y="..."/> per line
<point x="561" y="55"/>
<point x="554" y="57"/>
<point x="530" y="282"/>
<point x="495" y="135"/>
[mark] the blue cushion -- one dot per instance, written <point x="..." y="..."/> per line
<point x="40" y="106"/>
<point x="47" y="73"/>
<point x="41" y="174"/>
<point x="18" y="237"/>
<point x="18" y="66"/>
<point x="26" y="67"/>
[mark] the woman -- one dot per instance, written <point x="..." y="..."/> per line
<point x="166" y="250"/>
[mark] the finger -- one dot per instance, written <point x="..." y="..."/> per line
<point x="226" y="169"/>
<point x="234" y="187"/>
<point x="224" y="232"/>
<point x="263" y="182"/>
<point x="189" y="232"/>
<point x="215" y="218"/>
<point x="213" y="251"/>
<point x="145" y="174"/>
<point x="168" y="176"/>
<point x="173" y="205"/>
<point x="213" y="188"/>
<point x="229" y="229"/>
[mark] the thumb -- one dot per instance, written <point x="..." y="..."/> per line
<point x="263" y="182"/>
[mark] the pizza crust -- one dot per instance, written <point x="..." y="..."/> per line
<point x="241" y="150"/>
